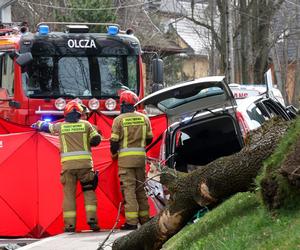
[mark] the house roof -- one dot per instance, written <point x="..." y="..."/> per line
<point x="182" y="7"/>
<point x="150" y="36"/>
<point x="5" y="3"/>
<point x="195" y="36"/>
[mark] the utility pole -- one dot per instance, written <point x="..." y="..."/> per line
<point x="229" y="42"/>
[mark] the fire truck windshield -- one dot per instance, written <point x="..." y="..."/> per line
<point x="80" y="76"/>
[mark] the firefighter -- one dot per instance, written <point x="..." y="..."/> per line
<point x="76" y="138"/>
<point x="131" y="132"/>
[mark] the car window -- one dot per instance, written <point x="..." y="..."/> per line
<point x="181" y="138"/>
<point x="256" y="117"/>
<point x="276" y="109"/>
<point x="197" y="94"/>
<point x="7" y="74"/>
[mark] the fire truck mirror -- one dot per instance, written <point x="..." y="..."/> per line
<point x="14" y="104"/>
<point x="157" y="71"/>
<point x="24" y="59"/>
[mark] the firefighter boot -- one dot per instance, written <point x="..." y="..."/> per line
<point x="69" y="229"/>
<point x="94" y="226"/>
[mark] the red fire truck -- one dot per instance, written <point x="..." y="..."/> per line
<point x="40" y="72"/>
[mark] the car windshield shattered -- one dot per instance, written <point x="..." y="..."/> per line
<point x="80" y="76"/>
<point x="198" y="93"/>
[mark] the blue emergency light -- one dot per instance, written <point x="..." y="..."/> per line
<point x="43" y="30"/>
<point x="47" y="119"/>
<point x="113" y="30"/>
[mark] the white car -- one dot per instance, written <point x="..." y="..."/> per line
<point x="202" y="119"/>
<point x="241" y="91"/>
<point x="255" y="110"/>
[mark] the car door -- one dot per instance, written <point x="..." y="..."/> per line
<point x="275" y="108"/>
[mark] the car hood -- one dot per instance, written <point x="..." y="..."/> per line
<point x="192" y="96"/>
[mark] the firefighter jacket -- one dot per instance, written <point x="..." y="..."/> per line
<point x="75" y="138"/>
<point x="131" y="130"/>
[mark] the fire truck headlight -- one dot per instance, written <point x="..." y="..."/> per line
<point x="94" y="104"/>
<point x="110" y="104"/>
<point x="78" y="100"/>
<point x="60" y="103"/>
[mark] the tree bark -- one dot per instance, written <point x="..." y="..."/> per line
<point x="207" y="186"/>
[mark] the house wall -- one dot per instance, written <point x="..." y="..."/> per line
<point x="195" y="67"/>
<point x="290" y="83"/>
<point x="182" y="44"/>
<point x="5" y="14"/>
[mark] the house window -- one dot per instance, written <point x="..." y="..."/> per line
<point x="7" y="73"/>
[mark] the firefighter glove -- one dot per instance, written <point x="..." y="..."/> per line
<point x="92" y="184"/>
<point x="37" y="125"/>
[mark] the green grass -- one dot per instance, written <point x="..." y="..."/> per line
<point x="284" y="147"/>
<point x="241" y="223"/>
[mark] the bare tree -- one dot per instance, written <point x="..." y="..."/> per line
<point x="295" y="99"/>
<point x="33" y="12"/>
<point x="252" y="31"/>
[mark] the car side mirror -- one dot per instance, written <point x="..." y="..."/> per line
<point x="24" y="59"/>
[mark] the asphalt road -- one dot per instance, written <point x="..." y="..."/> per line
<point x="67" y="241"/>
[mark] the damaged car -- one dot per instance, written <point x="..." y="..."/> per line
<point x="203" y="123"/>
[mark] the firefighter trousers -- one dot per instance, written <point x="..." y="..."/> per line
<point x="69" y="179"/>
<point x="135" y="198"/>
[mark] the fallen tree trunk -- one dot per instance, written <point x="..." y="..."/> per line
<point x="207" y="186"/>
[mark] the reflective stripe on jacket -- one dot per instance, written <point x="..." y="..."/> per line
<point x="74" y="140"/>
<point x="131" y="130"/>
<point x="131" y="151"/>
